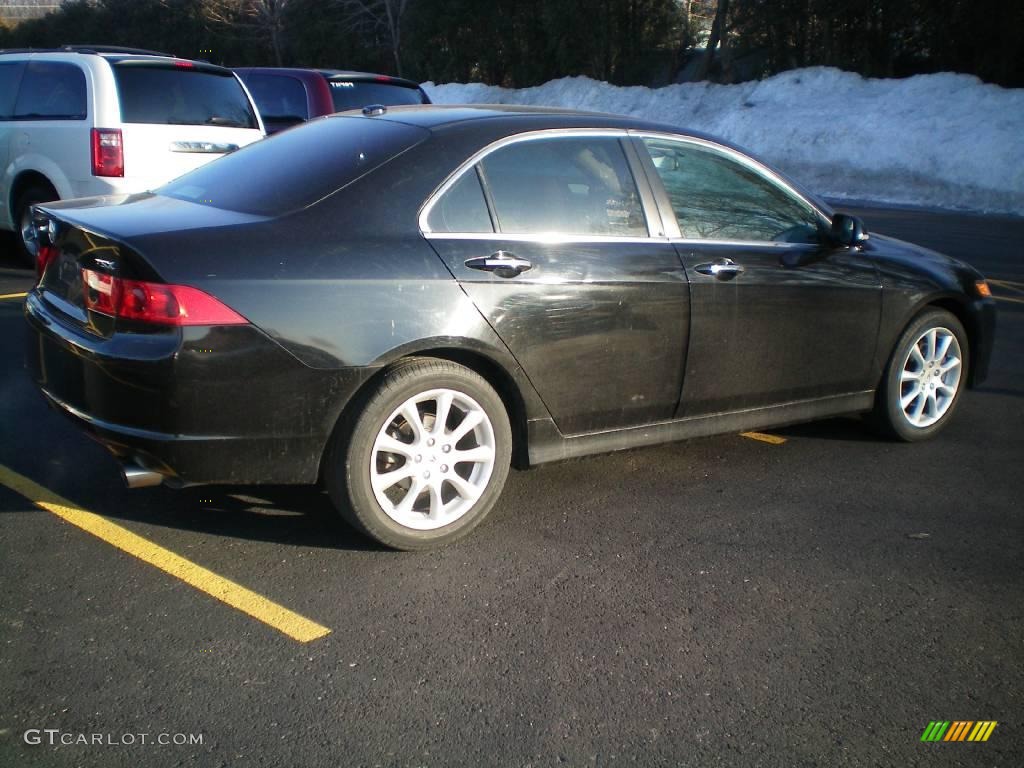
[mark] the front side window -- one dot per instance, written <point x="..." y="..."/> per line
<point x="51" y="90"/>
<point x="716" y="197"/>
<point x="564" y="185"/>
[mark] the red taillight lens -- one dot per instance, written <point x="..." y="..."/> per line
<point x="107" y="152"/>
<point x="154" y="302"/>
<point x="102" y="291"/>
<point x="44" y="256"/>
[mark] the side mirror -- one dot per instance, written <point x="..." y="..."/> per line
<point x="848" y="230"/>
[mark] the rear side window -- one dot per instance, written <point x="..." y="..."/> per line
<point x="349" y="94"/>
<point x="278" y="97"/>
<point x="564" y="185"/>
<point x="462" y="208"/>
<point x="10" y="76"/>
<point x="294" y="169"/>
<point x="51" y="90"/>
<point x="177" y="95"/>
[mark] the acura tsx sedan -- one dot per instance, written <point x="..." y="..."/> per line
<point x="402" y="304"/>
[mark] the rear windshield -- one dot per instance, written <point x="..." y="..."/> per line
<point x="294" y="169"/>
<point x="178" y="95"/>
<point x="278" y="97"/>
<point x="349" y="94"/>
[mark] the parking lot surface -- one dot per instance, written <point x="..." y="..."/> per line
<point x="810" y="596"/>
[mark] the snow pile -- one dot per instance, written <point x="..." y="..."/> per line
<point x="941" y="140"/>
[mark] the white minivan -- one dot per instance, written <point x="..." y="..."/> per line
<point x="78" y="122"/>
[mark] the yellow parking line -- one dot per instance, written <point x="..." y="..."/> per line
<point x="13" y="296"/>
<point x="997" y="297"/>
<point x="280" y="618"/>
<point x="764" y="438"/>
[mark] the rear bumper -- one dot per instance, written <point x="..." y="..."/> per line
<point x="198" y="405"/>
<point x="202" y="459"/>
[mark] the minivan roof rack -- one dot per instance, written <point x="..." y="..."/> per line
<point x="82" y="48"/>
<point x="90" y="49"/>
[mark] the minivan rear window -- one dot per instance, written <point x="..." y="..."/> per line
<point x="355" y="94"/>
<point x="294" y="169"/>
<point x="181" y="95"/>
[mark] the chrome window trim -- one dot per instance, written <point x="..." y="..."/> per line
<point x="552" y="238"/>
<point x="742" y="243"/>
<point x="546" y="133"/>
<point x="558" y="239"/>
<point x="754" y="165"/>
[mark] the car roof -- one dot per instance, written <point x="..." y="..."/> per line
<point x="112" y="55"/>
<point x="520" y="118"/>
<point x="329" y="74"/>
<point x="510" y="119"/>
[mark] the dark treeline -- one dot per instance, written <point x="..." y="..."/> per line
<point x="518" y="43"/>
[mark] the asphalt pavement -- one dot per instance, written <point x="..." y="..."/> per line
<point x="815" y="597"/>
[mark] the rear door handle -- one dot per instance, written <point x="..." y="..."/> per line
<point x="723" y="269"/>
<point x="501" y="263"/>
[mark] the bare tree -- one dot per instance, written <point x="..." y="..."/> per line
<point x="259" y="18"/>
<point x="719" y="32"/>
<point x="383" y="17"/>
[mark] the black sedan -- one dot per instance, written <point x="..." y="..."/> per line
<point x="402" y="305"/>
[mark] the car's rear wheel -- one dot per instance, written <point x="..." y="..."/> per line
<point x="425" y="459"/>
<point x="25" y="238"/>
<point x="924" y="379"/>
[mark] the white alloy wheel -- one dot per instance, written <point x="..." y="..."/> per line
<point x="432" y="459"/>
<point x="930" y="377"/>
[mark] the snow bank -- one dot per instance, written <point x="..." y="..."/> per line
<point x="941" y="140"/>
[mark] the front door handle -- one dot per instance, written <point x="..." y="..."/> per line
<point x="723" y="269"/>
<point x="501" y="263"/>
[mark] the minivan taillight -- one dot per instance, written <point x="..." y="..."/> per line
<point x="157" y="303"/>
<point x="107" y="152"/>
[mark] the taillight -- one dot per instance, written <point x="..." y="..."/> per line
<point x="107" y="152"/>
<point x="44" y="256"/>
<point x="154" y="302"/>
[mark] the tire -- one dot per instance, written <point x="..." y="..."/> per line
<point x="375" y="488"/>
<point x="36" y="192"/>
<point x="924" y="378"/>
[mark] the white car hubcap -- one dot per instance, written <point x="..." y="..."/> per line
<point x="930" y="377"/>
<point x="432" y="459"/>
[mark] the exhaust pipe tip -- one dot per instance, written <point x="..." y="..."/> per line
<point x="138" y="477"/>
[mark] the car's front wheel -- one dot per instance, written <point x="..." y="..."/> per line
<point x="925" y="377"/>
<point x="425" y="459"/>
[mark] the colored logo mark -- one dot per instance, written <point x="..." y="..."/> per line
<point x="959" y="730"/>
